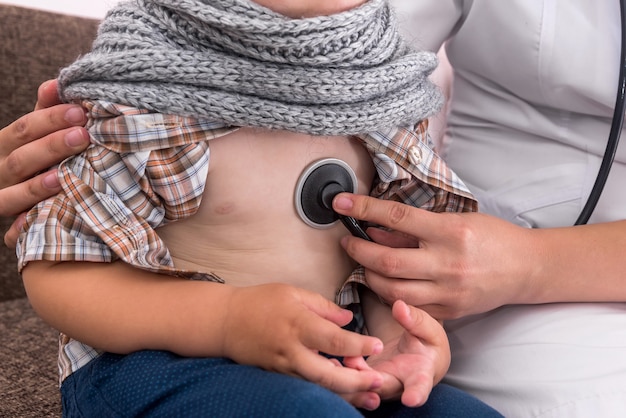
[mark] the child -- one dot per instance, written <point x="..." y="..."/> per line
<point x="203" y="116"/>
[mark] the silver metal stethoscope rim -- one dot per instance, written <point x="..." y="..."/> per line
<point x="312" y="181"/>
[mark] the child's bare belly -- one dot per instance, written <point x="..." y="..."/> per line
<point x="247" y="230"/>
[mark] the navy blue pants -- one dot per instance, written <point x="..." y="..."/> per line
<point x="162" y="384"/>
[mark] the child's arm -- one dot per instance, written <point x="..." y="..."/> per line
<point x="416" y="354"/>
<point x="118" y="308"/>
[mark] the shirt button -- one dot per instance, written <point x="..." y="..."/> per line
<point x="415" y="155"/>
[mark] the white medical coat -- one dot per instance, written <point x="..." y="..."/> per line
<point x="533" y="96"/>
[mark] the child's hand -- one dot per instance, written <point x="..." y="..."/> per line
<point x="282" y="328"/>
<point x="415" y="361"/>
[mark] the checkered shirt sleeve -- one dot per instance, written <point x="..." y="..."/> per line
<point x="143" y="170"/>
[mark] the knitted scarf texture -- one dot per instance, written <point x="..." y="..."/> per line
<point x="242" y="64"/>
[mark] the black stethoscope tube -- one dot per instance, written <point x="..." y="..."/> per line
<point x="614" y="134"/>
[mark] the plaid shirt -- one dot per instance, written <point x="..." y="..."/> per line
<point x="145" y="169"/>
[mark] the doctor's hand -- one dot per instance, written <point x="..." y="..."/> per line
<point x="449" y="264"/>
<point x="32" y="144"/>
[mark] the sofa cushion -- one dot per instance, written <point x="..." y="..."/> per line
<point x="34" y="45"/>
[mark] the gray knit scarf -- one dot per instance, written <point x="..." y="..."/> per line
<point x="242" y="64"/>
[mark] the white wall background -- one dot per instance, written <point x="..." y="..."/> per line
<point x="88" y="8"/>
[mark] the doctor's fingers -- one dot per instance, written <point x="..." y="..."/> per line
<point x="434" y="298"/>
<point x="392" y="239"/>
<point x="415" y="222"/>
<point x="407" y="263"/>
<point x="413" y="291"/>
<point x="407" y="274"/>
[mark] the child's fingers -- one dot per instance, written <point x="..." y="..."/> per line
<point x="327" y="336"/>
<point x="341" y="380"/>
<point x="418" y="323"/>
<point x="417" y="387"/>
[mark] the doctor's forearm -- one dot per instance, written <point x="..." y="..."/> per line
<point x="579" y="264"/>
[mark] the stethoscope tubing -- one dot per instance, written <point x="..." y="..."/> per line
<point x="615" y="132"/>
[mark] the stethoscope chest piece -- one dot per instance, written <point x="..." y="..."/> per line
<point x="317" y="186"/>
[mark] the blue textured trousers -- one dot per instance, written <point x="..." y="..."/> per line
<point x="162" y="384"/>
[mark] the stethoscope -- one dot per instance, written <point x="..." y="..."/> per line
<point x="326" y="178"/>
<point x="614" y="133"/>
<point x="317" y="187"/>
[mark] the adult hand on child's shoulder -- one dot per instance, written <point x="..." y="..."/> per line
<point x="32" y="144"/>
